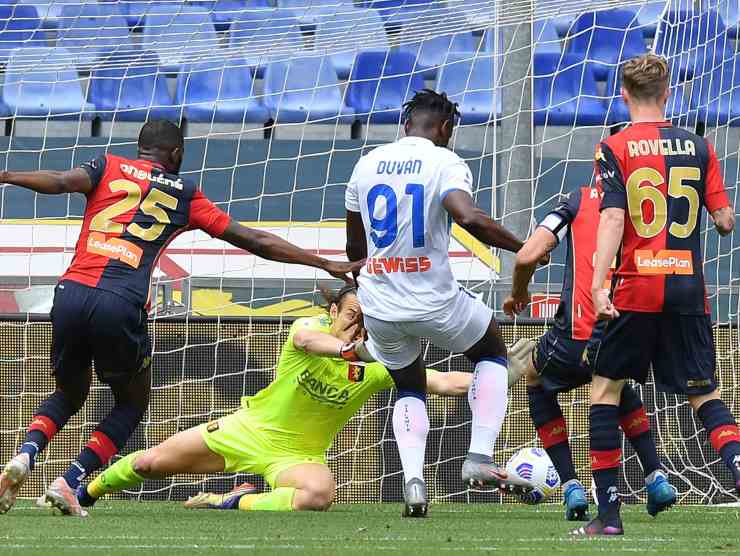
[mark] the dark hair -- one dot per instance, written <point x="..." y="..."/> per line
<point x="432" y="102"/>
<point x="335" y="297"/>
<point x="160" y="134"/>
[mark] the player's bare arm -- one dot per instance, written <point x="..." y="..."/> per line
<point x="608" y="240"/>
<point x="356" y="241"/>
<point x="534" y="250"/>
<point x="50" y="182"/>
<point x="724" y="220"/>
<point x="472" y="219"/>
<point x="269" y="246"/>
<point x="451" y="383"/>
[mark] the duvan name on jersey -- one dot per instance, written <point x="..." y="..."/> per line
<point x="399" y="167"/>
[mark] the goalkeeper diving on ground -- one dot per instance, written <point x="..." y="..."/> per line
<point x="283" y="431"/>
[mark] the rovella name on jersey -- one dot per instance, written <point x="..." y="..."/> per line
<point x="665" y="147"/>
<point x="144" y="175"/>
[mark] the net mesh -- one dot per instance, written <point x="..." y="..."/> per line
<point x="278" y="103"/>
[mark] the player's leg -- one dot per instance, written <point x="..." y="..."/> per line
<point x="636" y="426"/>
<point x="400" y="353"/>
<point x="70" y="359"/>
<point x="556" y="367"/>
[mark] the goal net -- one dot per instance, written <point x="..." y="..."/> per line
<point x="278" y="103"/>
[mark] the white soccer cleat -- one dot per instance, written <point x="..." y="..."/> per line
<point x="519" y="357"/>
<point x="489" y="475"/>
<point x="415" y="499"/>
<point x="62" y="497"/>
<point x="12" y="478"/>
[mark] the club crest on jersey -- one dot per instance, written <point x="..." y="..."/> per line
<point x="114" y="248"/>
<point x="389" y="265"/>
<point x="355" y="372"/>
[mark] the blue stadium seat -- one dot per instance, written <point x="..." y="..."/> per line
<point x="468" y="79"/>
<point x="49" y="12"/>
<point x="729" y="11"/>
<point x="134" y="91"/>
<point x="605" y="39"/>
<point x="311" y="12"/>
<point x="19" y="27"/>
<point x="43" y="82"/>
<point x="344" y="34"/>
<point x="219" y="91"/>
<point x="262" y="33"/>
<point x="179" y="34"/>
<point x="693" y="42"/>
<point x="648" y="17"/>
<point x="224" y="12"/>
<point x="380" y="83"/>
<point x="545" y="36"/>
<point x="565" y="91"/>
<point x="305" y="89"/>
<point x="433" y="52"/>
<point x="715" y="95"/>
<point x="90" y="36"/>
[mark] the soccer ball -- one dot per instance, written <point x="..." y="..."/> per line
<point x="535" y="466"/>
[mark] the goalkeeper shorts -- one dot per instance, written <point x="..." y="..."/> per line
<point x="245" y="449"/>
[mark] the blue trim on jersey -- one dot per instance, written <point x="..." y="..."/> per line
<point x="411" y="394"/>
<point x="443" y="195"/>
<point x="498" y="360"/>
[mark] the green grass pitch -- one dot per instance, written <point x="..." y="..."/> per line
<point x="117" y="528"/>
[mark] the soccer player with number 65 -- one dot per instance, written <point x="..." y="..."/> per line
<point x="134" y="209"/>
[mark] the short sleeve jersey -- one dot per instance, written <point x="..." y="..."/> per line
<point x="661" y="176"/>
<point x="133" y="212"/>
<point x="312" y="397"/>
<point x="399" y="189"/>
<point x="575" y="219"/>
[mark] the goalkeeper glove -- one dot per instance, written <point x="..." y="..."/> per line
<point x="356" y="351"/>
<point x="519" y="357"/>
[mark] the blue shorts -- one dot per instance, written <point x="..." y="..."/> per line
<point x="92" y="325"/>
<point x="679" y="347"/>
<point x="560" y="362"/>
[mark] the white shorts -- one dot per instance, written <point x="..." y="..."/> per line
<point x="456" y="328"/>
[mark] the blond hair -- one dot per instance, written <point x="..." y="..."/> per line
<point x="646" y="77"/>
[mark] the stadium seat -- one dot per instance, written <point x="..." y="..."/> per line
<point x="311" y="12"/>
<point x="380" y="83"/>
<point x="49" y="12"/>
<point x="221" y="92"/>
<point x="433" y="52"/>
<point x="715" y="95"/>
<point x="648" y="17"/>
<point x="565" y="91"/>
<point x="468" y="79"/>
<point x="305" y="89"/>
<point x="545" y="36"/>
<point x="179" y="34"/>
<point x="223" y="12"/>
<point x="43" y="82"/>
<point x="347" y="32"/>
<point x="605" y="38"/>
<point x="135" y="91"/>
<point x="90" y="36"/>
<point x="21" y="27"/>
<point x="263" y="35"/>
<point x="730" y="14"/>
<point x="693" y="42"/>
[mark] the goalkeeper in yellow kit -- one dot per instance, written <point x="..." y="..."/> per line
<point x="284" y="431"/>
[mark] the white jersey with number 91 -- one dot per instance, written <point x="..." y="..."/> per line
<point x="398" y="189"/>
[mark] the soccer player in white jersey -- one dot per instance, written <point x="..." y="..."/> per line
<point x="399" y="202"/>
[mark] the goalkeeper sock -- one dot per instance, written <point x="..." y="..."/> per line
<point x="50" y="417"/>
<point x="117" y="477"/>
<point x="411" y="426"/>
<point x="548" y="419"/>
<point x="488" y="398"/>
<point x="636" y="426"/>
<point x="606" y="455"/>
<point x="277" y="500"/>
<point x="723" y="432"/>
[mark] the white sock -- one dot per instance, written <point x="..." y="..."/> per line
<point x="411" y="426"/>
<point x="488" y="397"/>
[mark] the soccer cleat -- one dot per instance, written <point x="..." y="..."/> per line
<point x="661" y="494"/>
<point x="12" y="478"/>
<point x="575" y="502"/>
<point x="215" y="501"/>
<point x="600" y="527"/>
<point x="61" y="496"/>
<point x="415" y="498"/>
<point x="481" y="475"/>
<point x="735" y="468"/>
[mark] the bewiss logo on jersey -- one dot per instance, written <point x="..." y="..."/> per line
<point x="140" y="174"/>
<point x="665" y="261"/>
<point x="389" y="265"/>
<point x="115" y="248"/>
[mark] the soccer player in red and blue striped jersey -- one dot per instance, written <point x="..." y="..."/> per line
<point x="656" y="178"/>
<point x="135" y="208"/>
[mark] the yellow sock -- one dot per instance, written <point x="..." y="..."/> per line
<point x="278" y="500"/>
<point x="119" y="476"/>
